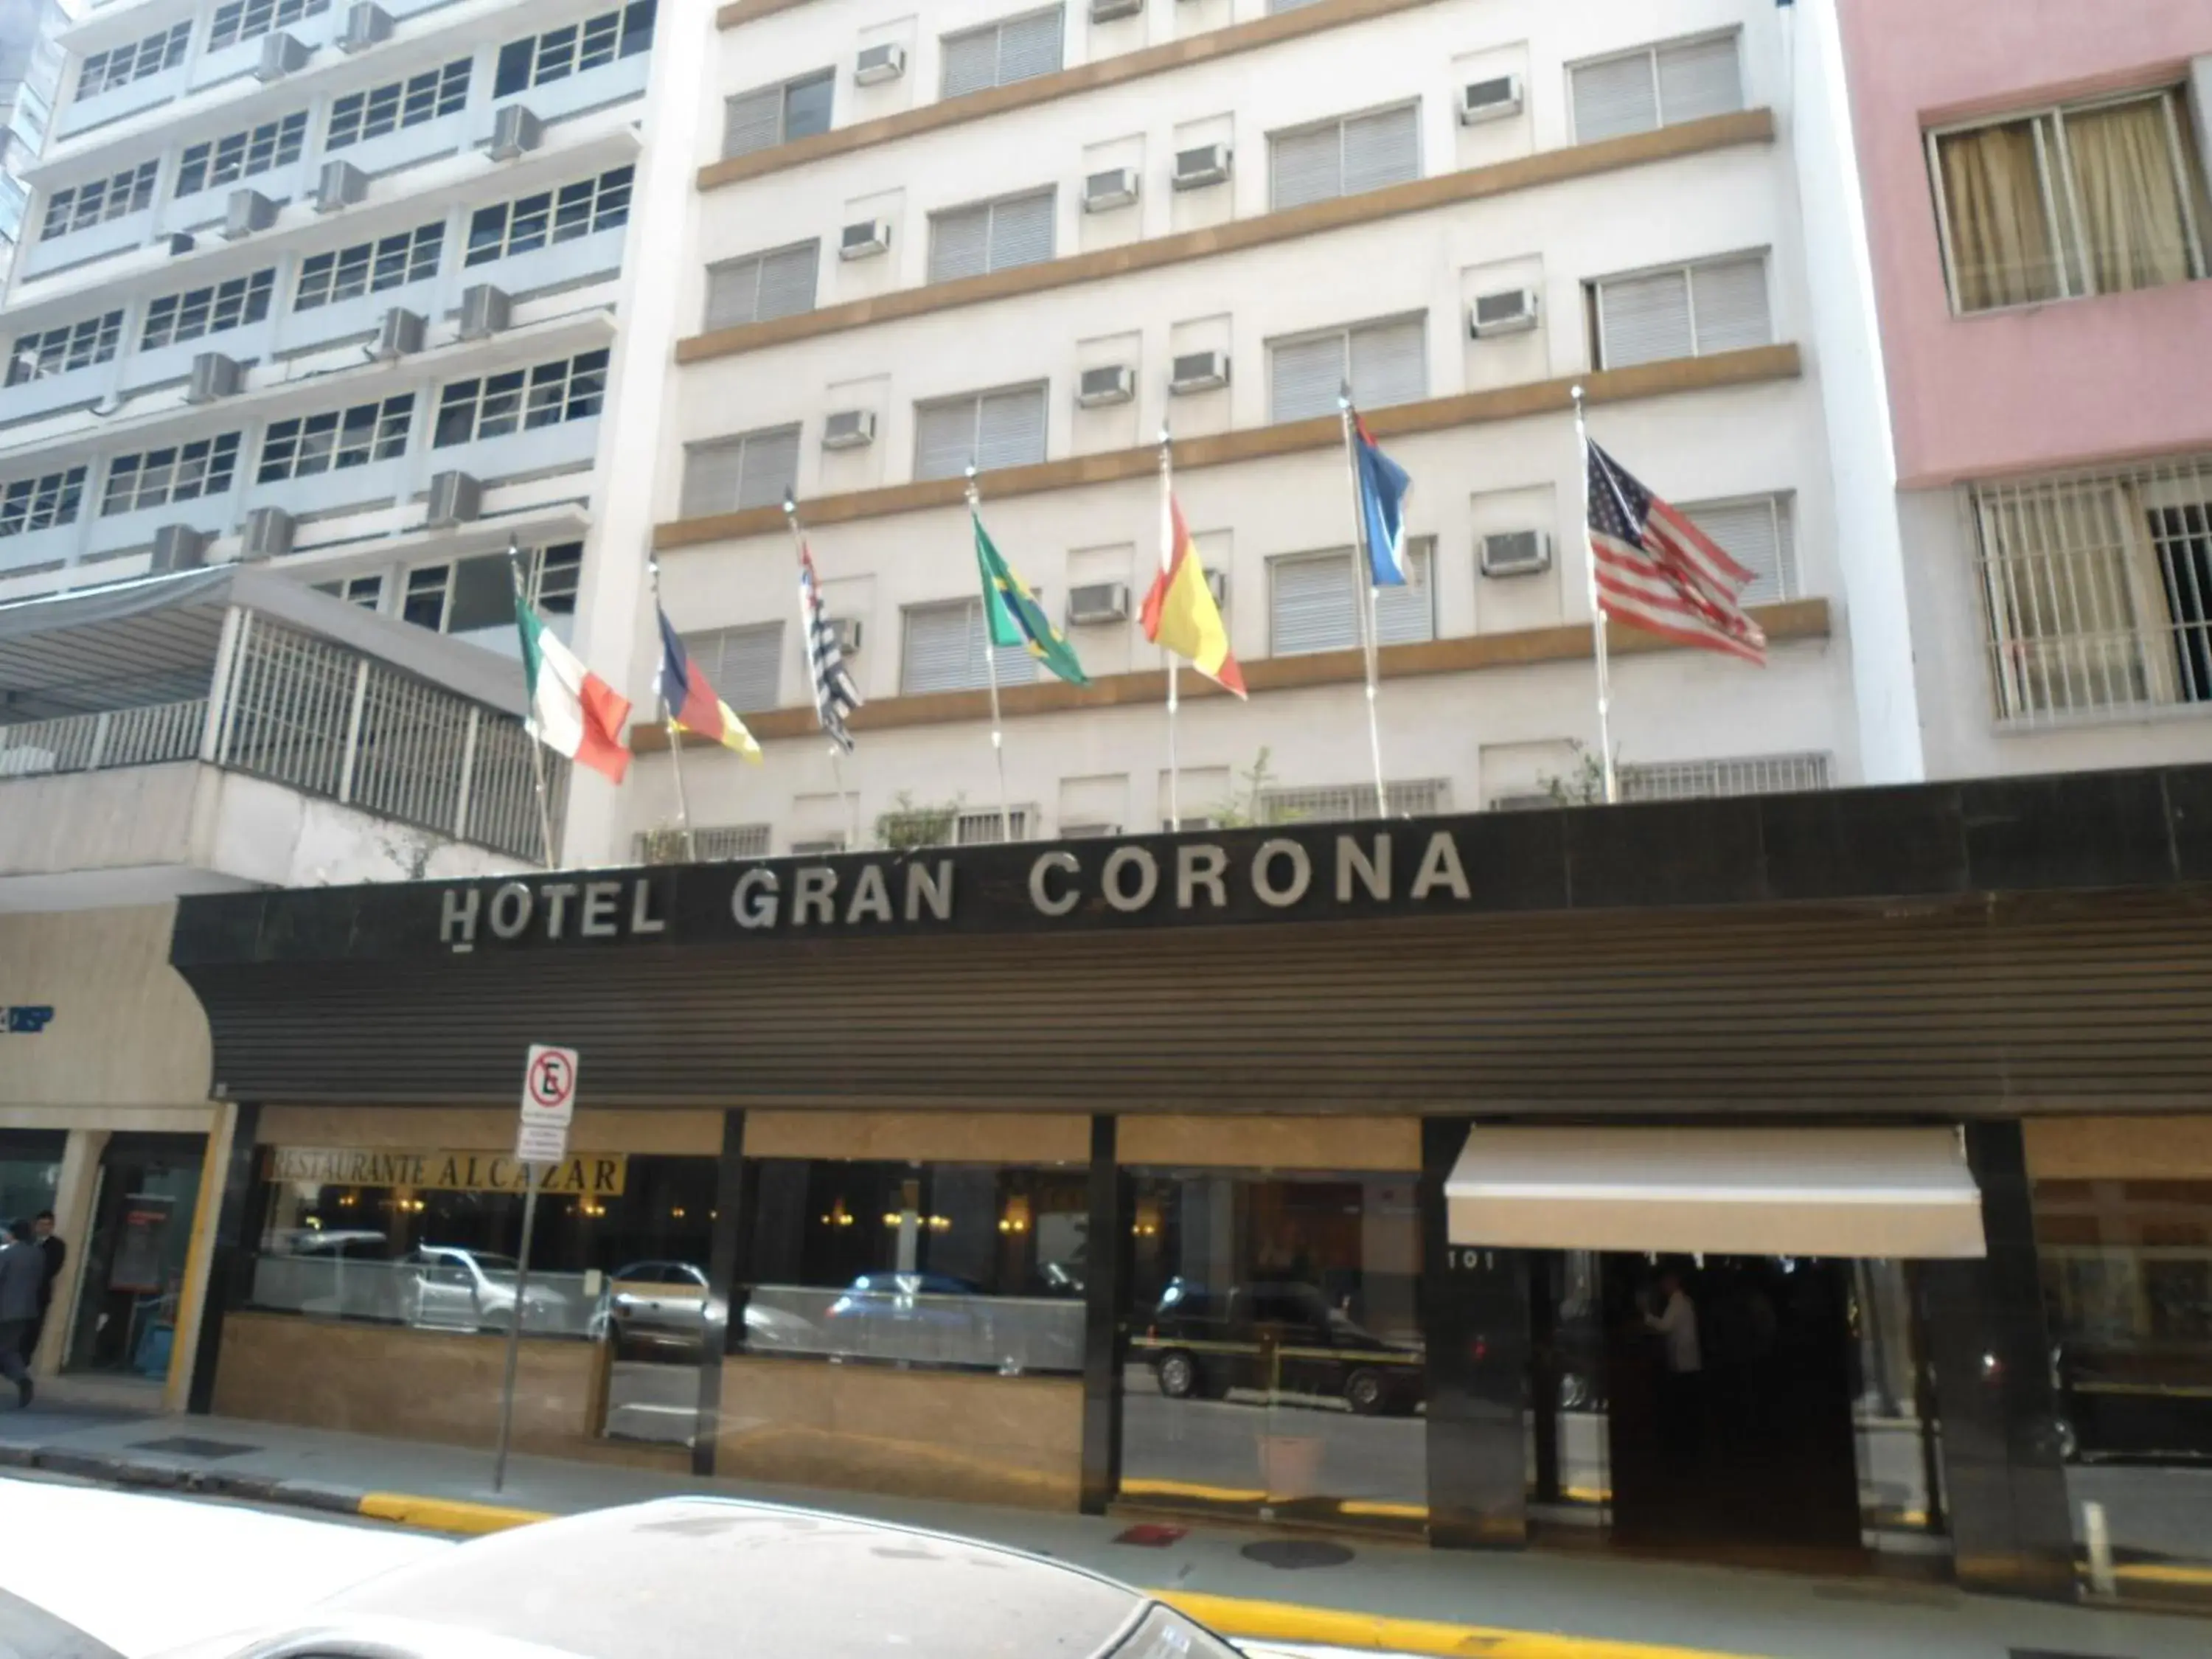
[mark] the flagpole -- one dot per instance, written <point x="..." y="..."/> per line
<point x="806" y="645"/>
<point x="537" y="746"/>
<point x="1597" y="611"/>
<point x="1174" y="663"/>
<point x="668" y="718"/>
<point x="1362" y="561"/>
<point x="991" y="666"/>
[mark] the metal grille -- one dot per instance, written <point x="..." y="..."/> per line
<point x="407" y="754"/>
<point x="1418" y="797"/>
<point x="1757" y="774"/>
<point x="2097" y="590"/>
<point x="981" y="829"/>
<point x="87" y="743"/>
<point x="709" y="843"/>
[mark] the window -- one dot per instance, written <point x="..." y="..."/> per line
<point x="175" y="317"/>
<point x="1660" y="86"/>
<point x="989" y="828"/>
<point x="245" y="19"/>
<point x="1013" y="49"/>
<point x="366" y="592"/>
<point x="944" y="650"/>
<point x="57" y="350"/>
<point x="176" y="473"/>
<point x="360" y="116"/>
<point x="777" y="115"/>
<point x="708" y="843"/>
<point x="733" y="474"/>
<point x="1760" y="774"/>
<point x="1756" y="532"/>
<point x="1344" y="156"/>
<point x="569" y="390"/>
<point x="744" y="665"/>
<point x="2095" y="199"/>
<point x="242" y="155"/>
<point x="555" y="573"/>
<point x="1691" y="311"/>
<point x="1419" y="797"/>
<point x="75" y="207"/>
<point x="463" y="596"/>
<point x="762" y="286"/>
<point x="990" y="236"/>
<point x="573" y="48"/>
<point x="306" y="444"/>
<point x="40" y="503"/>
<point x="581" y="208"/>
<point x="104" y="72"/>
<point x="1314" y="601"/>
<point x="2098" y="590"/>
<point x="1384" y="363"/>
<point x="410" y="256"/>
<point x="991" y="428"/>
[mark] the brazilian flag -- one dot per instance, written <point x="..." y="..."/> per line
<point x="1015" y="618"/>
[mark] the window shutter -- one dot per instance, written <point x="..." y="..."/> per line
<point x="1307" y="376"/>
<point x="959" y="244"/>
<point x="1029" y="45"/>
<point x="943" y="438"/>
<point x="744" y="665"/>
<point x="1407" y="613"/>
<point x="1645" y="319"/>
<point x="1305" y="166"/>
<point x="786" y="281"/>
<point x="1756" y="535"/>
<point x="1382" y="148"/>
<point x="1012" y="430"/>
<point x="710" y="478"/>
<point x="1731" y="305"/>
<point x="1314" y="604"/>
<point x="770" y="468"/>
<point x="937" y="647"/>
<point x="1698" y="78"/>
<point x="1615" y="97"/>
<point x="1389" y="363"/>
<point x="972" y="61"/>
<point x="1021" y="230"/>
<point x="753" y="122"/>
<point x="733" y="293"/>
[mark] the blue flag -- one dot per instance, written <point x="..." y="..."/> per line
<point x="1382" y="487"/>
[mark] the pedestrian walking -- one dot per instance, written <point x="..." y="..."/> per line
<point x="55" y="1253"/>
<point x="1682" y="1384"/>
<point x="22" y="1273"/>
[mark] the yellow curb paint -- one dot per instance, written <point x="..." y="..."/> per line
<point x="444" y="1514"/>
<point x="1281" y="1621"/>
<point x="2162" y="1572"/>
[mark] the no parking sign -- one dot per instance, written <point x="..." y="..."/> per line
<point x="549" y="1104"/>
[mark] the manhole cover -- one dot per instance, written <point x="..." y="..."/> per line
<point x="1292" y="1553"/>
<point x="193" y="1445"/>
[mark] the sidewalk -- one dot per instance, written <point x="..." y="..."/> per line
<point x="1532" y="1605"/>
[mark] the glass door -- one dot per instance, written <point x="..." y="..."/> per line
<point x="145" y="1194"/>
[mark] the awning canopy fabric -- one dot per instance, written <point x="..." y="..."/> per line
<point x="1876" y="1193"/>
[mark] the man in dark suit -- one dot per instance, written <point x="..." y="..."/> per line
<point x="55" y="1252"/>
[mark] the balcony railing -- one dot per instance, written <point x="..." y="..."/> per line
<point x="116" y="737"/>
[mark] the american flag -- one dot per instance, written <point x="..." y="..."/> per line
<point x="1658" y="571"/>
<point x="835" y="694"/>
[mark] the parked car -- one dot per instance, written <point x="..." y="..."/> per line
<point x="1278" y="1338"/>
<point x="449" y="1288"/>
<point x="653" y="1304"/>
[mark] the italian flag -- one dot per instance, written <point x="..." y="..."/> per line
<point x="573" y="711"/>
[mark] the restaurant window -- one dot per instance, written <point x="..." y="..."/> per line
<point x="977" y="1266"/>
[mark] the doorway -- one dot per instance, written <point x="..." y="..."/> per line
<point x="144" y="1197"/>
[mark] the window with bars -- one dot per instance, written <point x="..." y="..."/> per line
<point x="1314" y="601"/>
<point x="944" y="648"/>
<point x="579" y="208"/>
<point x="69" y="346"/>
<point x="1687" y="311"/>
<point x="768" y="116"/>
<point x="176" y="472"/>
<point x="762" y="286"/>
<point x="729" y="475"/>
<point x="366" y="592"/>
<point x="1384" y="363"/>
<point x="1757" y="774"/>
<point x="997" y="54"/>
<point x="2097" y="590"/>
<point x="40" y="503"/>
<point x="247" y="20"/>
<point x="78" y="207"/>
<point x="2099" y="198"/>
<point x="709" y="843"/>
<point x="238" y="155"/>
<point x="969" y="241"/>
<point x="521" y="399"/>
<point x="119" y="66"/>
<point x="336" y="439"/>
<point x="175" y="317"/>
<point x="991" y="827"/>
<point x="1419" y="797"/>
<point x="744" y="665"/>
<point x="991" y="428"/>
<point x="409" y="256"/>
<point x="574" y="48"/>
<point x="1344" y="156"/>
<point x="1756" y="532"/>
<point x="360" y="116"/>
<point x="1655" y="86"/>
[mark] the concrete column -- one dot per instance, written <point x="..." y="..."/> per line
<point x="73" y="1195"/>
<point x="2200" y="105"/>
<point x="192" y="1301"/>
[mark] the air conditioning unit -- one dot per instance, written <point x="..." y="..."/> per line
<point x="514" y="131"/>
<point x="282" y="54"/>
<point x="846" y="630"/>
<point x="182" y="241"/>
<point x="1488" y="101"/>
<point x="1116" y="383"/>
<point x="398" y="334"/>
<point x="485" y="311"/>
<point x="1515" y="552"/>
<point x="456" y="498"/>
<point x="268" y="533"/>
<point x="247" y="212"/>
<point x="849" y="429"/>
<point x="1105" y="11"/>
<point x="1513" y="312"/>
<point x="1196" y="168"/>
<point x="1198" y="371"/>
<point x="878" y="64"/>
<point x="178" y="547"/>
<point x="366" y="25"/>
<point x="340" y="184"/>
<point x="1216" y="583"/>
<point x="865" y="240"/>
<point x="1098" y="602"/>
<point x="1115" y="187"/>
<point x="214" y="376"/>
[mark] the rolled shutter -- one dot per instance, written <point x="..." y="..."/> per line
<point x="1730" y="300"/>
<point x="1307" y="376"/>
<point x="1010" y="428"/>
<point x="1756" y="535"/>
<point x="1407" y="613"/>
<point x="1615" y="97"/>
<point x="943" y="438"/>
<point x="711" y="473"/>
<point x="972" y="61"/>
<point x="1305" y="166"/>
<point x="786" y="281"/>
<point x="1645" y="319"/>
<point x="733" y="293"/>
<point x="1389" y="363"/>
<point x="959" y="243"/>
<point x="749" y="674"/>
<point x="939" y="640"/>
<point x="1699" y="78"/>
<point x="770" y="468"/>
<point x="1021" y="230"/>
<point x="753" y="122"/>
<point x="1029" y="45"/>
<point x="1382" y="148"/>
<point x="1313" y="604"/>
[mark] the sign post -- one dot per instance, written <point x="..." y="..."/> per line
<point x="541" y="1140"/>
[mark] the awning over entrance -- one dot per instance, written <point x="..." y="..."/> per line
<point x="1893" y="1193"/>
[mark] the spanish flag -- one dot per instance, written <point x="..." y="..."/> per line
<point x="1180" y="612"/>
